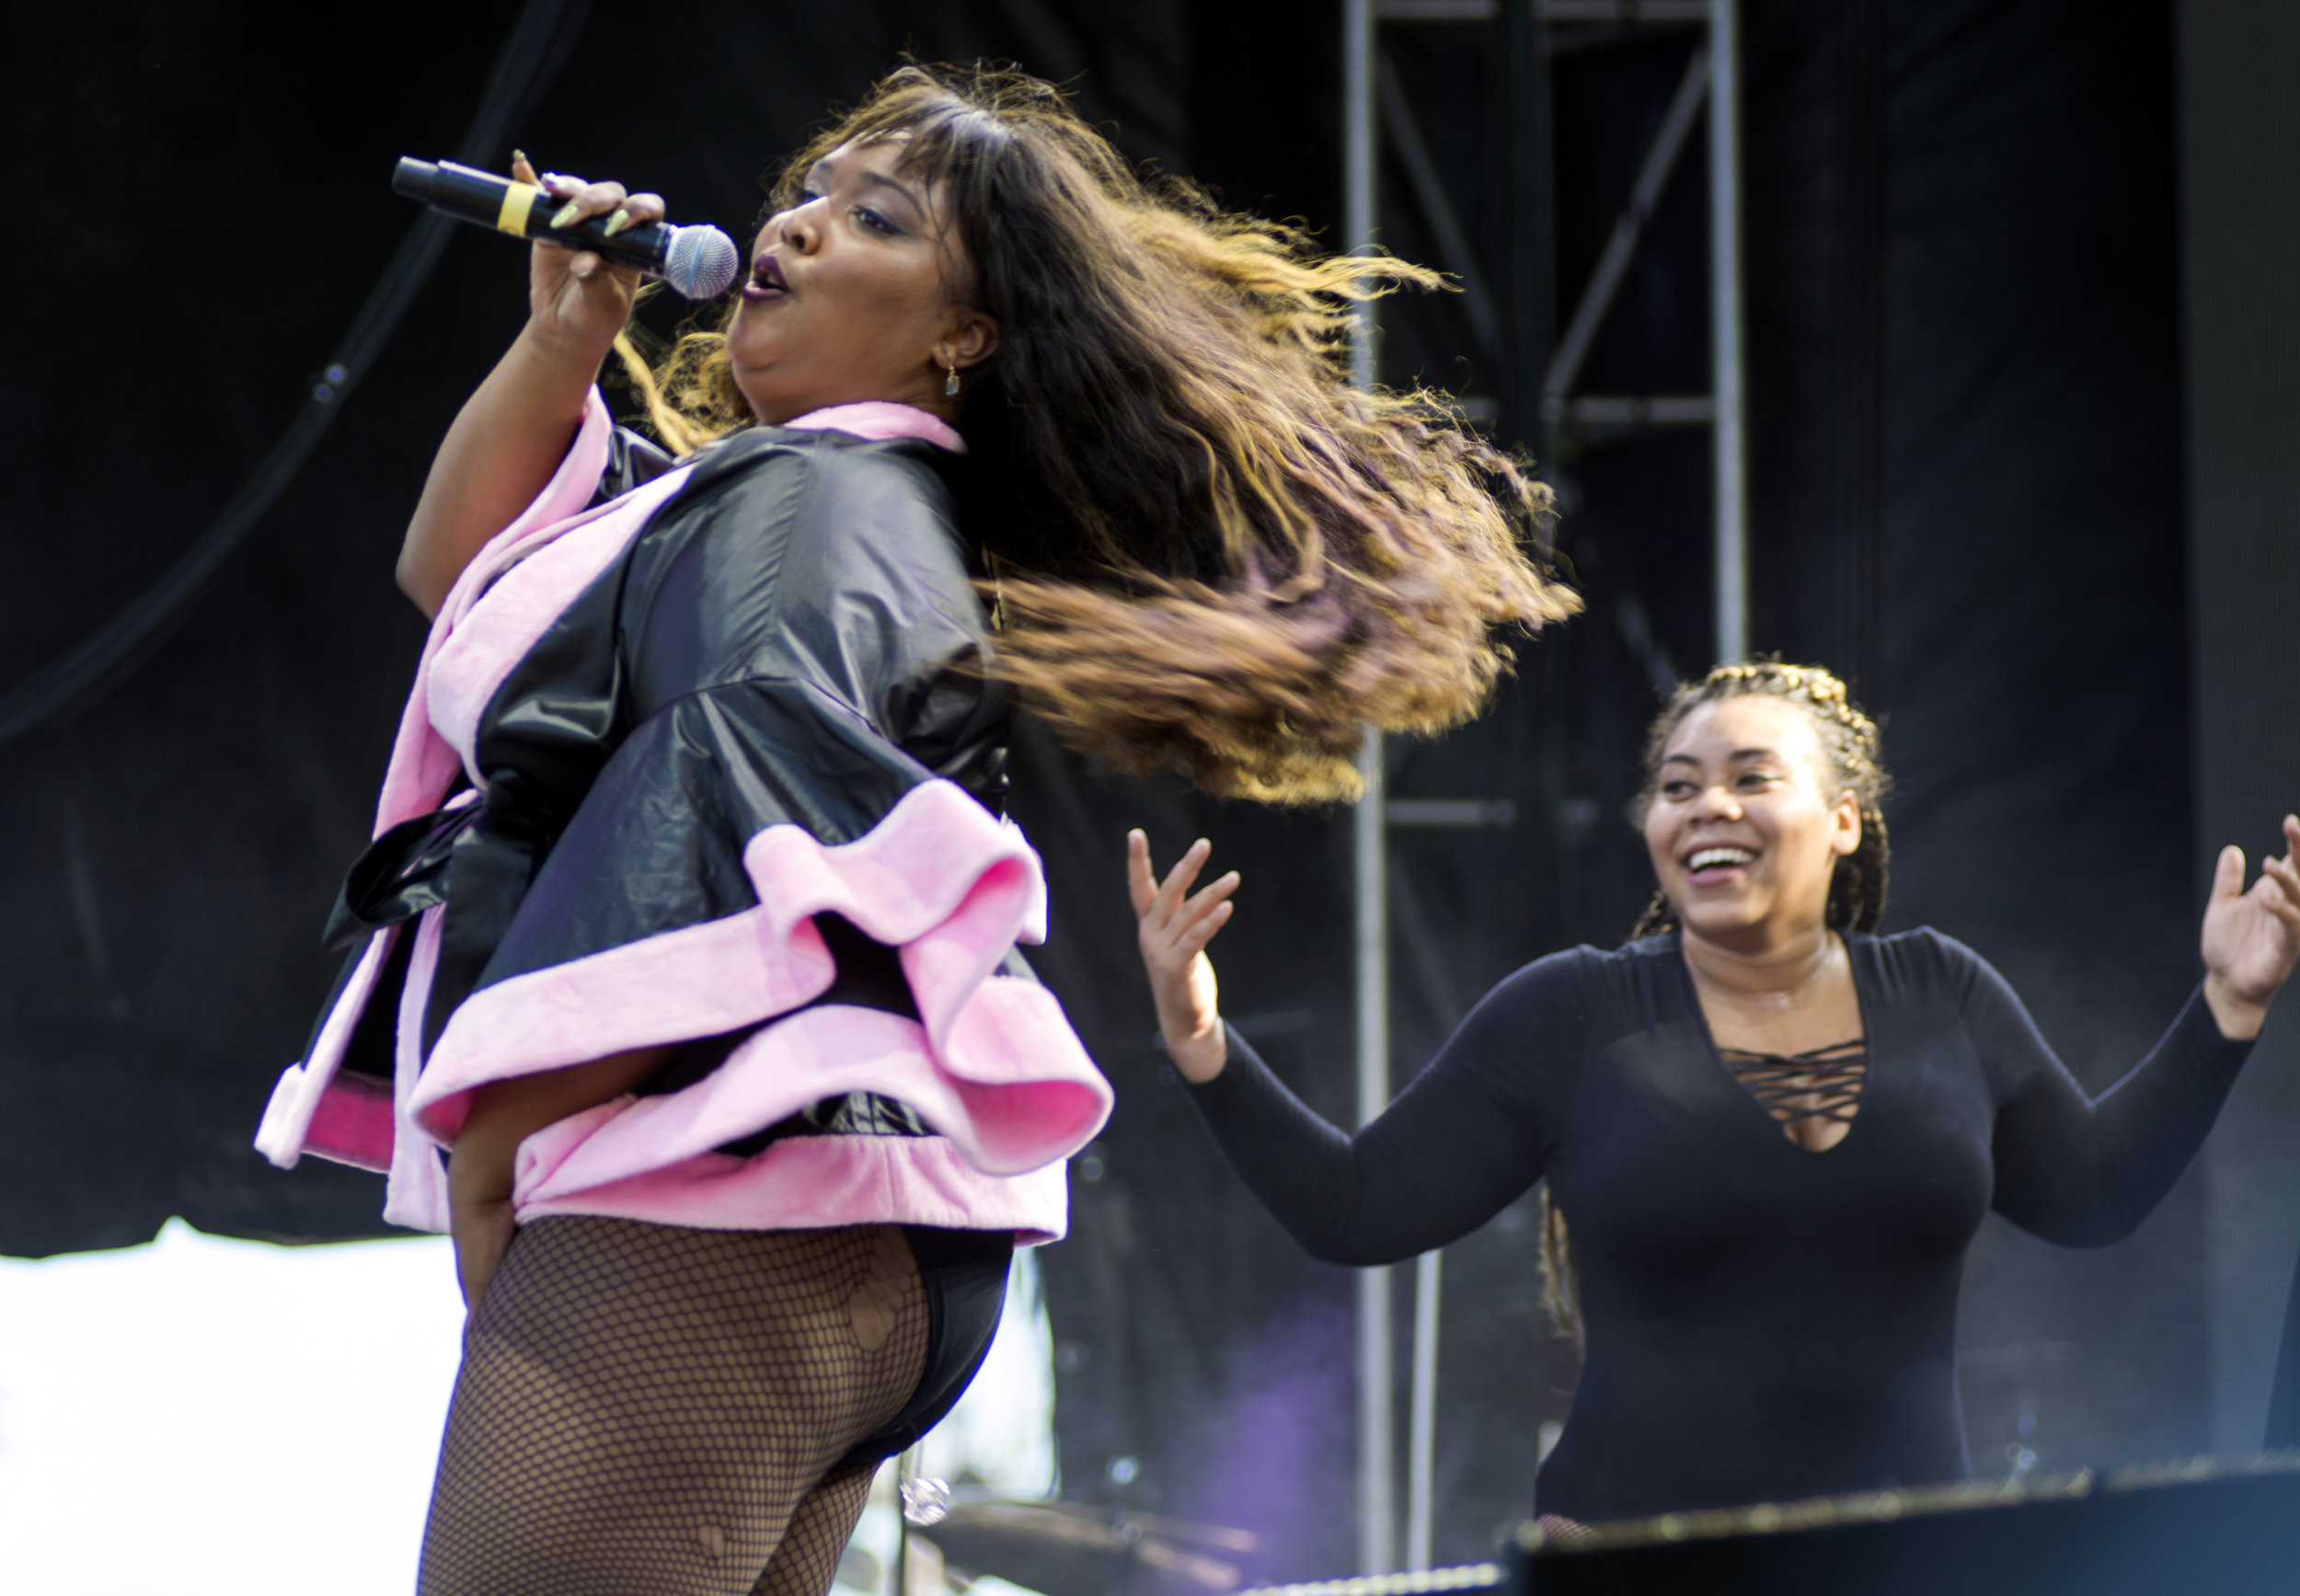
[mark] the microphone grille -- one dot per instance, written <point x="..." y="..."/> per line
<point x="700" y="262"/>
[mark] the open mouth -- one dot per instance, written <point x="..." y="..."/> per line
<point x="1716" y="862"/>
<point x="766" y="280"/>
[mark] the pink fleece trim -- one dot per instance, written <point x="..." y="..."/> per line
<point x="1018" y="1124"/>
<point x="416" y="1193"/>
<point x="818" y="1182"/>
<point x="422" y="768"/>
<point x="422" y="765"/>
<point x="303" y="1087"/>
<point x="938" y="869"/>
<point x="490" y="639"/>
<point x="422" y="761"/>
<point x="880" y="420"/>
<point x="995" y="1068"/>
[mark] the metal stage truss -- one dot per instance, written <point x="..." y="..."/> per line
<point x="1378" y="115"/>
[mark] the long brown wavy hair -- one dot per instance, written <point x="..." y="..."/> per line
<point x="1856" y="885"/>
<point x="1209" y="552"/>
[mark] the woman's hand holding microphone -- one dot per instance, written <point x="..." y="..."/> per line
<point x="574" y="296"/>
<point x="513" y="432"/>
<point x="1174" y="926"/>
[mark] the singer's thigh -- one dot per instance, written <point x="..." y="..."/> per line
<point x="816" y="1537"/>
<point x="642" y="1408"/>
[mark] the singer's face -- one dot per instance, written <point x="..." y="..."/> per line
<point x="854" y="295"/>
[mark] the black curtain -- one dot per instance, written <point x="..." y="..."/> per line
<point x="1964" y="328"/>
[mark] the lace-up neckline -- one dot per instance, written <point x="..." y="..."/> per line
<point x="1806" y="1092"/>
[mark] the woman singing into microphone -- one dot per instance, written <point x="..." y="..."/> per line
<point x="683" y="985"/>
<point x="1773" y="1131"/>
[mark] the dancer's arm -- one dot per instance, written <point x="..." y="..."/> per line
<point x="1465" y="1137"/>
<point x="505" y="1114"/>
<point x="2085" y="1173"/>
<point x="514" y="430"/>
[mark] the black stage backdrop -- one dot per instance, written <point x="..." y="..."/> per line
<point x="1962" y="331"/>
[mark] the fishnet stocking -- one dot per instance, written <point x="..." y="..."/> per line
<point x="646" y="1410"/>
<point x="818" y="1533"/>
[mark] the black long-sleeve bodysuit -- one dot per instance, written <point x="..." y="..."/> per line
<point x="1764" y="1322"/>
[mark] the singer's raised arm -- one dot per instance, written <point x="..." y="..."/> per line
<point x="514" y="430"/>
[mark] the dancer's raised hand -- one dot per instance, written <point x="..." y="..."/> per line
<point x="2251" y="938"/>
<point x="1174" y="926"/>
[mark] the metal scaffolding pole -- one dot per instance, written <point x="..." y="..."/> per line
<point x="1377" y="1540"/>
<point x="1421" y="1429"/>
<point x="1546" y="404"/>
<point x="1730" y="434"/>
<point x="1422" y="1399"/>
<point x="1628" y="231"/>
<point x="1376" y="1468"/>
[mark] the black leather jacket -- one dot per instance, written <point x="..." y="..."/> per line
<point x="793" y="637"/>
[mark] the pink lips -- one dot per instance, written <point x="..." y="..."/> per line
<point x="766" y="280"/>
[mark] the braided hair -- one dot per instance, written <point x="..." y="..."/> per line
<point x="1848" y="740"/>
<point x="1857" y="886"/>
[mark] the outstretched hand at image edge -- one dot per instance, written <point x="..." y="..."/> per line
<point x="2250" y="938"/>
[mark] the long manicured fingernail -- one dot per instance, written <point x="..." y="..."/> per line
<point x="567" y="215"/>
<point x="616" y="223"/>
<point x="519" y="158"/>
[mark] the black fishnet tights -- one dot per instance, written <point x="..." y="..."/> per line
<point x="645" y="1410"/>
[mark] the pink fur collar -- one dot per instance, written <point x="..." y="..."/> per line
<point x="880" y="419"/>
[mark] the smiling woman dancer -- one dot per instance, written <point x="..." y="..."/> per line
<point x="1775" y="1131"/>
<point x="689" y="923"/>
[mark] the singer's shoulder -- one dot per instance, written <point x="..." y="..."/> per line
<point x="823" y="467"/>
<point x="813" y="509"/>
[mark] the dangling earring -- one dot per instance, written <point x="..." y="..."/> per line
<point x="950" y="388"/>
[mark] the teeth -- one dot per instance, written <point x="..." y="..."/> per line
<point x="1707" y="858"/>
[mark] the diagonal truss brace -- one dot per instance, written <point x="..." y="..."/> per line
<point x="1437" y="209"/>
<point x="1613" y="263"/>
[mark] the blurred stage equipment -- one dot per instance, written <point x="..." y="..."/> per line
<point x="1072" y="1549"/>
<point x="696" y="263"/>
<point x="2229" y="1528"/>
<point x="1418" y="1582"/>
<point x="1375" y="102"/>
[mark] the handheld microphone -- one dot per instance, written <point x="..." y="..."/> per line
<point x="698" y="263"/>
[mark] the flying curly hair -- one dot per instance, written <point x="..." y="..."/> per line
<point x="1208" y="551"/>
